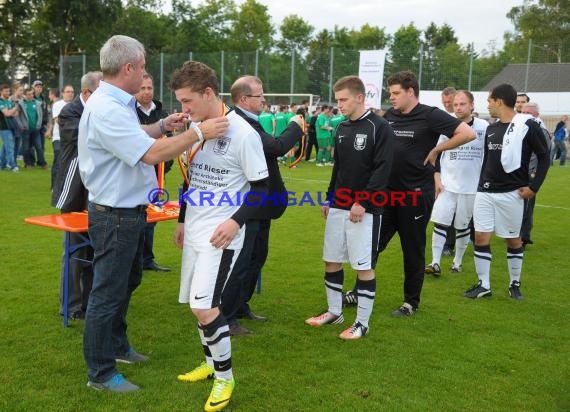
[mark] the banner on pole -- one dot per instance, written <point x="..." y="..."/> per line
<point x="371" y="72"/>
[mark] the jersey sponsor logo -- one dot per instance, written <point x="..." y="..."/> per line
<point x="360" y="141"/>
<point x="495" y="146"/>
<point x="222" y="146"/>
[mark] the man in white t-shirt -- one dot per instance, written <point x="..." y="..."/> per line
<point x="456" y="179"/>
<point x="221" y="174"/>
<point x="57" y="104"/>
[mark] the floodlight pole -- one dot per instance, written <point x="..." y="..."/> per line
<point x="527" y="64"/>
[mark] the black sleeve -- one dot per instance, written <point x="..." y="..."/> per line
<point x="182" y="214"/>
<point x="382" y="162"/>
<point x="540" y="148"/>
<point x="438" y="163"/>
<point x="332" y="182"/>
<point x="68" y="127"/>
<point x="278" y="146"/>
<point x="252" y="203"/>
<point x="442" y="123"/>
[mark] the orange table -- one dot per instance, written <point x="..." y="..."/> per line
<point x="76" y="222"/>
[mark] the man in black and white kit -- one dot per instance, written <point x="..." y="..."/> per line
<point x="456" y="178"/>
<point x="362" y="161"/>
<point x="503" y="186"/>
<point x="417" y="128"/>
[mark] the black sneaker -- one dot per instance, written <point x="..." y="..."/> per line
<point x="405" y="310"/>
<point x="433" y="269"/>
<point x="349" y="298"/>
<point x="515" y="291"/>
<point x="477" y="291"/>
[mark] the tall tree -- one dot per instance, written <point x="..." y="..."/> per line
<point x="370" y="38"/>
<point x="252" y="29"/>
<point x="295" y="34"/>
<point x="404" y="52"/>
<point x="15" y="20"/>
<point x="65" y="27"/>
<point x="546" y="22"/>
<point x="318" y="64"/>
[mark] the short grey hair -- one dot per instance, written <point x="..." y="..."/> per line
<point x="532" y="105"/>
<point x="90" y="80"/>
<point x="118" y="51"/>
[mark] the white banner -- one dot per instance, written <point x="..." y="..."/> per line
<point x="371" y="72"/>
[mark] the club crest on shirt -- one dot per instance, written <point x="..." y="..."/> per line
<point x="222" y="145"/>
<point x="360" y="141"/>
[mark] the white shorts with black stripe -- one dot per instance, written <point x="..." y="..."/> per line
<point x="447" y="204"/>
<point x="501" y="213"/>
<point x="356" y="243"/>
<point x="205" y="272"/>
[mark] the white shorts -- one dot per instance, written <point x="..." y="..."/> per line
<point x="205" y="272"/>
<point x="501" y="213"/>
<point x="447" y="204"/>
<point x="346" y="241"/>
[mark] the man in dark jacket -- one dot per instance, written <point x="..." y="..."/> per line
<point x="248" y="99"/>
<point x="69" y="195"/>
<point x="150" y="111"/>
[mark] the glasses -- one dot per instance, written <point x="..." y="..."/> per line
<point x="253" y="95"/>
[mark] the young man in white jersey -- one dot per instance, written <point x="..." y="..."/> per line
<point x="456" y="178"/>
<point x="222" y="171"/>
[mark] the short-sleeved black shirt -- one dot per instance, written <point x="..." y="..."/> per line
<point x="416" y="134"/>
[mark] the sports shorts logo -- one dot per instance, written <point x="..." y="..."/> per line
<point x="418" y="217"/>
<point x="222" y="145"/>
<point x="199" y="297"/>
<point x="360" y="141"/>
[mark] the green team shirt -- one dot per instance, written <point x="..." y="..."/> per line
<point x="280" y="122"/>
<point x="322" y="120"/>
<point x="335" y="120"/>
<point x="32" y="112"/>
<point x="266" y="121"/>
<point x="4" y="104"/>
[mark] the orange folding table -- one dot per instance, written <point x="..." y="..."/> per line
<point x="76" y="222"/>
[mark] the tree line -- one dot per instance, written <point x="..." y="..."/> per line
<point x="35" y="33"/>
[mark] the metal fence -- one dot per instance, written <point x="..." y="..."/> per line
<point x="316" y="72"/>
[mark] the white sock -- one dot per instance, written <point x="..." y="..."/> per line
<point x="333" y="286"/>
<point x="482" y="257"/>
<point x="366" y="292"/>
<point x="461" y="242"/>
<point x="515" y="261"/>
<point x="217" y="336"/>
<point x="437" y="243"/>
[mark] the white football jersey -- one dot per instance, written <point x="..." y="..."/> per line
<point x="461" y="167"/>
<point x="219" y="178"/>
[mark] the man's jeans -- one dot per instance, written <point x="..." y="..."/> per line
<point x="558" y="145"/>
<point x="117" y="236"/>
<point x="7" y="153"/>
<point x="31" y="142"/>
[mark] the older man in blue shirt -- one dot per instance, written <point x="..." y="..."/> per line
<point x="115" y="157"/>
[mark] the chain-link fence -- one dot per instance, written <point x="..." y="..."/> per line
<point x="315" y="72"/>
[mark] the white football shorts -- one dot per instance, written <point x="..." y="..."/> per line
<point x="501" y="213"/>
<point x="356" y="243"/>
<point x="204" y="274"/>
<point x="447" y="204"/>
